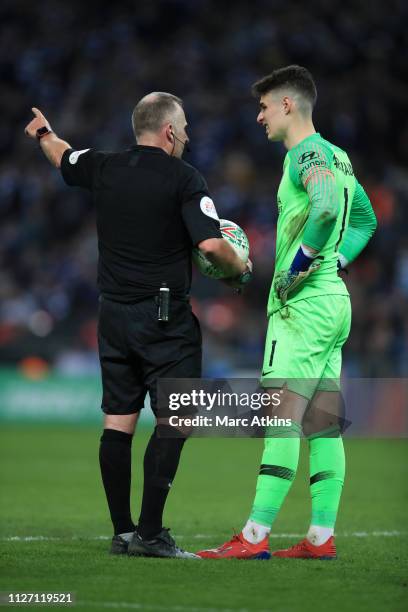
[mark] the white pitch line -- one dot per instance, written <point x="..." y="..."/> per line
<point x="139" y="606"/>
<point x="202" y="536"/>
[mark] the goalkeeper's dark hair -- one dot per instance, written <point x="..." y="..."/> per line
<point x="152" y="111"/>
<point x="295" y="78"/>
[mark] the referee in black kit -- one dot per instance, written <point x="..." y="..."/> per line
<point x="151" y="209"/>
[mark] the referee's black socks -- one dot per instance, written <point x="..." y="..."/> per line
<point x="160" y="466"/>
<point x="116" y="464"/>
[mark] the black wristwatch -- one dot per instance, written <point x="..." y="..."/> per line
<point x="43" y="131"/>
<point x="245" y="277"/>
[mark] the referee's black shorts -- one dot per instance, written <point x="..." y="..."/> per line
<point x="135" y="349"/>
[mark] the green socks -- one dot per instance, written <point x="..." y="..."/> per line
<point x="278" y="469"/>
<point x="327" y="469"/>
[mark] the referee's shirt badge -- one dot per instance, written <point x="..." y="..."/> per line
<point x="73" y="158"/>
<point x="208" y="208"/>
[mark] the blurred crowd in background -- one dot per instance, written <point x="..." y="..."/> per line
<point x="85" y="65"/>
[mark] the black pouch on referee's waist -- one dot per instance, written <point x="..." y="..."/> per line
<point x="163" y="303"/>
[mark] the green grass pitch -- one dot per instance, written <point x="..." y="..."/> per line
<point x="50" y="487"/>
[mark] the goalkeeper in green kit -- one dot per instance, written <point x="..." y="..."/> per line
<point x="325" y="220"/>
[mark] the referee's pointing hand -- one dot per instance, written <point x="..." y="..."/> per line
<point x="35" y="124"/>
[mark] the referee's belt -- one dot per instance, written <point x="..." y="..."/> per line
<point x="175" y="297"/>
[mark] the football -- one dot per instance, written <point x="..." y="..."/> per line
<point x="235" y="236"/>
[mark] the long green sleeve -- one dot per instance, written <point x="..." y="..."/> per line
<point x="362" y="225"/>
<point x="324" y="209"/>
<point x="310" y="168"/>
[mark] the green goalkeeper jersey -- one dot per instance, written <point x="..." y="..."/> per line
<point x="321" y="205"/>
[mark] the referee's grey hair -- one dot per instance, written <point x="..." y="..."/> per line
<point x="152" y="111"/>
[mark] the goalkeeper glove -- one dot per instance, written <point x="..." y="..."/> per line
<point x="287" y="280"/>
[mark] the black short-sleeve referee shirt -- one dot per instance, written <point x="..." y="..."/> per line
<point x="151" y="209"/>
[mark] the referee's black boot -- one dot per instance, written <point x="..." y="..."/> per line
<point x="161" y="545"/>
<point x="119" y="545"/>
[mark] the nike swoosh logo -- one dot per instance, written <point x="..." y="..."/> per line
<point x="225" y="550"/>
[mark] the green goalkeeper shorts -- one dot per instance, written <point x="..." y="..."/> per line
<point x="304" y="342"/>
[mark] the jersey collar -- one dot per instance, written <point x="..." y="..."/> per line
<point x="147" y="148"/>
<point x="306" y="139"/>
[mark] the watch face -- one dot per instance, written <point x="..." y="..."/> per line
<point x="43" y="130"/>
